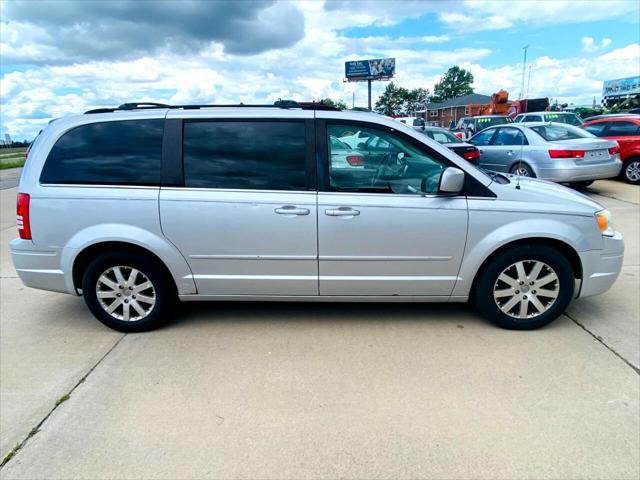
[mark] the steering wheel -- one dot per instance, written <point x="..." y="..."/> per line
<point x="385" y="165"/>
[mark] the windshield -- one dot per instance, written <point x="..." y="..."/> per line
<point x="442" y="136"/>
<point x="554" y="132"/>
<point x="568" y="118"/>
<point x="484" y="122"/>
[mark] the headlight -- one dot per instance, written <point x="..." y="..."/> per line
<point x="603" y="217"/>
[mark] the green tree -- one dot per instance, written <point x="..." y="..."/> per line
<point x="416" y="100"/>
<point x="392" y="101"/>
<point x="334" y="103"/>
<point x="455" y="83"/>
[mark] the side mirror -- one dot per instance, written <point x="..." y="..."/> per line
<point x="451" y="181"/>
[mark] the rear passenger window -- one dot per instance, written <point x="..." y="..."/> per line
<point x="623" y="129"/>
<point x="245" y="155"/>
<point x="113" y="153"/>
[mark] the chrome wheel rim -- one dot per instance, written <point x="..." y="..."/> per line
<point x="633" y="171"/>
<point x="526" y="289"/>
<point x="125" y="293"/>
<point x="522" y="171"/>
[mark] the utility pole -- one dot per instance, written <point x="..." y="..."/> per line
<point x="369" y="87"/>
<point x="524" y="67"/>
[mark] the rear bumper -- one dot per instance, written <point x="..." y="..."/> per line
<point x="577" y="173"/>
<point x="600" y="268"/>
<point x="40" y="267"/>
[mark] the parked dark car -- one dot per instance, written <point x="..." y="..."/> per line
<point x="452" y="142"/>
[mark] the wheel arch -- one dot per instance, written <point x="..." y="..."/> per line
<point x="89" y="253"/>
<point x="564" y="248"/>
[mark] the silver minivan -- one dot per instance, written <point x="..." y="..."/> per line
<point x="138" y="206"/>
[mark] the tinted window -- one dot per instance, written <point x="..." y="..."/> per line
<point x="387" y="163"/>
<point x="509" y="136"/>
<point x="442" y="136"/>
<point x="116" y="153"/>
<point x="482" y="138"/>
<point x="622" y="129"/>
<point x="245" y="155"/>
<point x="597" y="128"/>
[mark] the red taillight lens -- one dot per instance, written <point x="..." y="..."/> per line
<point x="24" y="226"/>
<point x="614" y="150"/>
<point x="355" y="160"/>
<point x="566" y="153"/>
<point x="459" y="135"/>
<point x="471" y="155"/>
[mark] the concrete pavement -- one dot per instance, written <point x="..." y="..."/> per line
<point x="9" y="178"/>
<point x="324" y="391"/>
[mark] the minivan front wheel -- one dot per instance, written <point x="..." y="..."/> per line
<point x="126" y="292"/>
<point x="525" y="287"/>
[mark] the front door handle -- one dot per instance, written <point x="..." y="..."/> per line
<point x="291" y="210"/>
<point x="342" y="212"/>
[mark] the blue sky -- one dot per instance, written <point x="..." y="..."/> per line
<point x="62" y="57"/>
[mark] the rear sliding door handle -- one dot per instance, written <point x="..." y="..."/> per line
<point x="291" y="210"/>
<point x="342" y="212"/>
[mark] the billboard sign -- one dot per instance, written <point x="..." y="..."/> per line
<point x="621" y="87"/>
<point x="375" y="69"/>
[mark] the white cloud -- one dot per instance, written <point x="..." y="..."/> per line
<point x="589" y="45"/>
<point x="478" y="15"/>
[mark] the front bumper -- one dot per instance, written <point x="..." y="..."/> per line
<point x="40" y="267"/>
<point x="600" y="268"/>
<point x="563" y="173"/>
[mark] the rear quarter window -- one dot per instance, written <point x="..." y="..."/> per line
<point x="112" y="153"/>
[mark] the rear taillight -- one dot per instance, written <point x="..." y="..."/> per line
<point x="471" y="155"/>
<point x="355" y="160"/>
<point x="459" y="135"/>
<point x="614" y="150"/>
<point x="566" y="153"/>
<point x="24" y="225"/>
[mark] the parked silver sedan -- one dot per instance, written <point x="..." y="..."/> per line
<point x="550" y="151"/>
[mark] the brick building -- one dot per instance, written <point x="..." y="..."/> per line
<point x="443" y="113"/>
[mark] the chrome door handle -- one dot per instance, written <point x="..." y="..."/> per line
<point x="291" y="210"/>
<point x="342" y="212"/>
<point x="510" y="152"/>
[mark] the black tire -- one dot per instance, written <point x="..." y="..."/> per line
<point x="584" y="184"/>
<point x="161" y="290"/>
<point x="488" y="279"/>
<point x="630" y="171"/>
<point x="525" y="170"/>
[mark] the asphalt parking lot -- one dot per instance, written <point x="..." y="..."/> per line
<point x="269" y="390"/>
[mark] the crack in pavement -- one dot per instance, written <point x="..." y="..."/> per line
<point x="59" y="402"/>
<point x="601" y="341"/>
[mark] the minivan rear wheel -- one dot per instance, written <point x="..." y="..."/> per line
<point x="525" y="287"/>
<point x="126" y="292"/>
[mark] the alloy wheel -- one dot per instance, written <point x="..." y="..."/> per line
<point x="522" y="171"/>
<point x="632" y="171"/>
<point x="526" y="289"/>
<point x="125" y="293"/>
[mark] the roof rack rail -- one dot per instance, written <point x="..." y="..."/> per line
<point x="286" y="104"/>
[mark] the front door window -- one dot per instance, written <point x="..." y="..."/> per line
<point x="381" y="163"/>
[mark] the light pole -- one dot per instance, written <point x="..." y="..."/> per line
<point x="524" y="67"/>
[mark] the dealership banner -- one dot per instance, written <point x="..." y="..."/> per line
<point x="621" y="87"/>
<point x="370" y="69"/>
